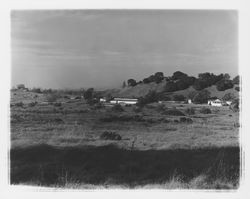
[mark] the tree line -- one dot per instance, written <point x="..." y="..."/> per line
<point x="181" y="81"/>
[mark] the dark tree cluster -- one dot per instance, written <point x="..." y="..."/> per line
<point x="207" y="79"/>
<point x="224" y="84"/>
<point x="157" y="78"/>
<point x="201" y="97"/>
<point x="151" y="97"/>
<point x="131" y="82"/>
<point x="179" y="81"/>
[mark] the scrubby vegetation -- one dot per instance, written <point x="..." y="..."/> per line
<point x="117" y="108"/>
<point x="106" y="135"/>
<point x="190" y="111"/>
<point x="205" y="110"/>
<point x="174" y="112"/>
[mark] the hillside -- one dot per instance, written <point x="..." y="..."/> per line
<point x="179" y="84"/>
<point x="141" y="90"/>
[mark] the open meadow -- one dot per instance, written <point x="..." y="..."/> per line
<point x="76" y="145"/>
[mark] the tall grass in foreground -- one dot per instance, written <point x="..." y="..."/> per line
<point x="112" y="167"/>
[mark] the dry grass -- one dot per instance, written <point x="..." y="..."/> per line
<point x="77" y="125"/>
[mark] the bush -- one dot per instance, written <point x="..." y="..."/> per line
<point x="228" y="96"/>
<point x="161" y="107"/>
<point x="205" y="110"/>
<point x="235" y="105"/>
<point x="137" y="109"/>
<point x="98" y="106"/>
<point x="122" y="118"/>
<point x="19" y="104"/>
<point x="190" y="111"/>
<point x="237" y="88"/>
<point x="117" y="108"/>
<point x="186" y="120"/>
<point x="110" y="136"/>
<point x="58" y="104"/>
<point x="32" y="104"/>
<point x="179" y="98"/>
<point x="174" y="112"/>
<point x="36" y="90"/>
<point x="53" y="97"/>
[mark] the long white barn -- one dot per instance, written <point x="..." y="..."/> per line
<point x="124" y="101"/>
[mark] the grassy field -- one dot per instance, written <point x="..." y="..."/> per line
<point x="161" y="146"/>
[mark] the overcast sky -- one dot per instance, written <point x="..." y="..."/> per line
<point x="91" y="48"/>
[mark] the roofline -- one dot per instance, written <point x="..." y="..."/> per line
<point x="128" y="99"/>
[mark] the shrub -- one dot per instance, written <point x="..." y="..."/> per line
<point x="237" y="88"/>
<point x="190" y="111"/>
<point x="32" y="104"/>
<point x="205" y="110"/>
<point x="122" y="118"/>
<point x="235" y="105"/>
<point x="228" y="96"/>
<point x="52" y="97"/>
<point x="57" y="120"/>
<point x="179" y="98"/>
<point x="174" y="112"/>
<point x="137" y="109"/>
<point x="19" y="104"/>
<point x="106" y="135"/>
<point x="92" y="101"/>
<point x="36" y="90"/>
<point x="186" y="120"/>
<point x="58" y="104"/>
<point x="161" y="107"/>
<point x="98" y="106"/>
<point x="117" y="108"/>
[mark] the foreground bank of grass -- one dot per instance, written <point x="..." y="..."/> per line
<point x="75" y="167"/>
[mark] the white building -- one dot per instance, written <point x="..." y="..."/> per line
<point x="103" y="100"/>
<point x="216" y="102"/>
<point x="228" y="103"/>
<point x="124" y="101"/>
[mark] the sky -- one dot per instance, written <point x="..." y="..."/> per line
<point x="102" y="48"/>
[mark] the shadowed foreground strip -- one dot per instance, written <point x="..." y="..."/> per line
<point x="108" y="165"/>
